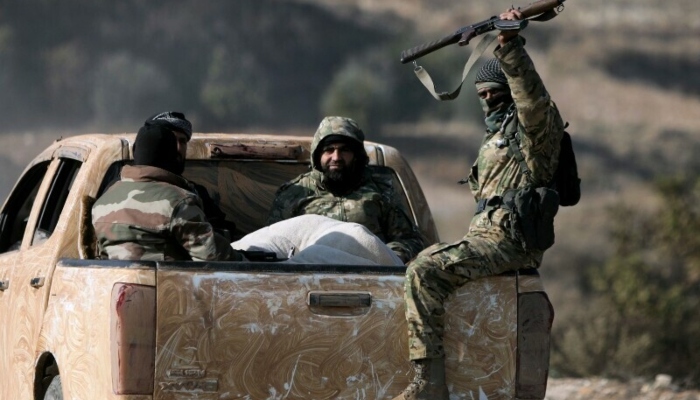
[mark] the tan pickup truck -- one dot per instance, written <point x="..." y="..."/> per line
<point x="74" y="327"/>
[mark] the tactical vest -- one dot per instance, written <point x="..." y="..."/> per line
<point x="534" y="207"/>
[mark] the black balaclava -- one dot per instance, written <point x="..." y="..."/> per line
<point x="156" y="145"/>
<point x="495" y="109"/>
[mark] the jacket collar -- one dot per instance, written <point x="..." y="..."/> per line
<point x="320" y="179"/>
<point x="147" y="173"/>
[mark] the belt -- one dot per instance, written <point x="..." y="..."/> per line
<point x="505" y="201"/>
<point x="491" y="202"/>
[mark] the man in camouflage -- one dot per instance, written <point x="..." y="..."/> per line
<point x="505" y="84"/>
<point x="340" y="186"/>
<point x="152" y="212"/>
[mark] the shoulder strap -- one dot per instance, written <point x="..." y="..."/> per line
<point x="510" y="133"/>
<point x="427" y="81"/>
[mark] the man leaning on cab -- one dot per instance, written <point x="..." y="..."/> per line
<point x="151" y="213"/>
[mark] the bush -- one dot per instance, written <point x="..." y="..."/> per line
<point x="127" y="90"/>
<point x="357" y="92"/>
<point x="235" y="88"/>
<point x="374" y="89"/>
<point x="648" y="295"/>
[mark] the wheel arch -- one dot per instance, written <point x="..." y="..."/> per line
<point x="45" y="370"/>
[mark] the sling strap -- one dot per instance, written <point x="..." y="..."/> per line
<point x="510" y="135"/>
<point x="509" y="127"/>
<point x="427" y="81"/>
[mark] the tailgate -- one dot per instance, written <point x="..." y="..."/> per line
<point x="283" y="331"/>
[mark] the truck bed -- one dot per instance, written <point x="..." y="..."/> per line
<point x="272" y="331"/>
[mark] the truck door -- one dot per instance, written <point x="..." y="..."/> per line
<point x="30" y="278"/>
<point x="271" y="330"/>
<point x="13" y="223"/>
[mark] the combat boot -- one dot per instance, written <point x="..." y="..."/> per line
<point x="428" y="382"/>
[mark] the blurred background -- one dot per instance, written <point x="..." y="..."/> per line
<point x="624" y="275"/>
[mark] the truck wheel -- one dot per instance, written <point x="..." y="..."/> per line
<point x="55" y="390"/>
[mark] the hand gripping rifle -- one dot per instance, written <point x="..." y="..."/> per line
<point x="541" y="10"/>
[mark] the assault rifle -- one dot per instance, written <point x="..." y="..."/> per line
<point x="541" y="10"/>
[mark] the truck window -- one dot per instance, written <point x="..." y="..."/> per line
<point x="112" y="175"/>
<point x="14" y="217"/>
<point x="56" y="199"/>
<point x="244" y="190"/>
<point x="399" y="192"/>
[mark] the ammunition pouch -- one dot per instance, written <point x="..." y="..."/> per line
<point x="533" y="211"/>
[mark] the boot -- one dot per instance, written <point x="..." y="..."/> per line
<point x="428" y="382"/>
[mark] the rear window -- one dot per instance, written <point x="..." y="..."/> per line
<point x="244" y="190"/>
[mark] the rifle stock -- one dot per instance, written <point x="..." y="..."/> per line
<point x="540" y="7"/>
<point x="531" y="11"/>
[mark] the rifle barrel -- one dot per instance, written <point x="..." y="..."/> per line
<point x="427" y="48"/>
<point x="531" y="10"/>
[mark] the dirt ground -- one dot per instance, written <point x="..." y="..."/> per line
<point x="600" y="389"/>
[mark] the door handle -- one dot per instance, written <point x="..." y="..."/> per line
<point x="4" y="285"/>
<point x="37" y="282"/>
<point x="339" y="299"/>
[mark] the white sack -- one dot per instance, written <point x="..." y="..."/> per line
<point x="320" y="240"/>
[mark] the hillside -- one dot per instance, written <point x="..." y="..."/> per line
<point x="607" y="389"/>
<point x="623" y="74"/>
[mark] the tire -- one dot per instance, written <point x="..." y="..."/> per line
<point x="55" y="390"/>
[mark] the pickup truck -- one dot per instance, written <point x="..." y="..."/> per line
<point x="76" y="327"/>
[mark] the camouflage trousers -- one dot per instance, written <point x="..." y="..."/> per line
<point x="442" y="268"/>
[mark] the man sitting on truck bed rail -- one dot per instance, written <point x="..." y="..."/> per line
<point x="152" y="212"/>
<point x="514" y="222"/>
<point x="340" y="186"/>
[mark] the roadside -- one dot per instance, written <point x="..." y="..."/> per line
<point x="598" y="389"/>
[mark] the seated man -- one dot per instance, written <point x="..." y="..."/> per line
<point x="152" y="212"/>
<point x="340" y="186"/>
<point x="182" y="129"/>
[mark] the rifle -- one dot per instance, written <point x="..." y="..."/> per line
<point x="541" y="10"/>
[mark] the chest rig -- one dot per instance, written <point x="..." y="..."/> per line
<point x="532" y="207"/>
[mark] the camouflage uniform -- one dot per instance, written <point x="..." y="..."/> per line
<point x="487" y="248"/>
<point x="371" y="203"/>
<point x="151" y="214"/>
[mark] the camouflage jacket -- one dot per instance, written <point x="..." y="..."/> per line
<point x="540" y="131"/>
<point x="151" y="214"/>
<point x="372" y="204"/>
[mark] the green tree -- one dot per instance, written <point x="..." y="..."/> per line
<point x="357" y="92"/>
<point x="235" y="89"/>
<point x="126" y="89"/>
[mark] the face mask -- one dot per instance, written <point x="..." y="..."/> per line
<point x="497" y="102"/>
<point x="495" y="109"/>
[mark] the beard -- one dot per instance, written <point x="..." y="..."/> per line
<point x="343" y="179"/>
<point x="179" y="165"/>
